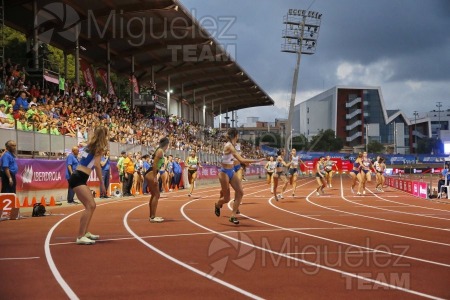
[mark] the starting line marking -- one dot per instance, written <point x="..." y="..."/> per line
<point x="331" y="252"/>
<point x="19" y="258"/>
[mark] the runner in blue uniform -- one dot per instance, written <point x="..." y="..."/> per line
<point x="90" y="158"/>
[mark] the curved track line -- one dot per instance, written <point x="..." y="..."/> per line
<point x="305" y="261"/>
<point x="381" y="219"/>
<point x="66" y="288"/>
<point x="410" y="205"/>
<point x="180" y="263"/>
<point x="390" y="210"/>
<point x="48" y="255"/>
<point x="345" y="243"/>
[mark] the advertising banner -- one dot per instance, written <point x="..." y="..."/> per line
<point x="416" y="188"/>
<point x="37" y="174"/>
<point x="88" y="74"/>
<point x="104" y="76"/>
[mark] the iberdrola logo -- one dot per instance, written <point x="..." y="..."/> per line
<point x="27" y="174"/>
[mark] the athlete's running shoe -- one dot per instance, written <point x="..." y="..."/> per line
<point x="91" y="236"/>
<point x="217" y="210"/>
<point x="234" y="220"/>
<point x="84" y="241"/>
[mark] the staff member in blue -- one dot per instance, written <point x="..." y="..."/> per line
<point x="71" y="165"/>
<point x="9" y="168"/>
<point x="105" y="164"/>
<point x="90" y="158"/>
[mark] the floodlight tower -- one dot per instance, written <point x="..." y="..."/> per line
<point x="300" y="37"/>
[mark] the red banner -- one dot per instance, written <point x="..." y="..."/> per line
<point x="342" y="165"/>
<point x="134" y="83"/>
<point x="416" y="188"/>
<point x="88" y="74"/>
<point x="104" y="76"/>
<point x="211" y="172"/>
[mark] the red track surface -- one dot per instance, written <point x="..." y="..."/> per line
<point x="385" y="245"/>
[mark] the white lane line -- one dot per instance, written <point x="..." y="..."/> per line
<point x="19" y="258"/>
<point x="178" y="262"/>
<point x="379" y="219"/>
<point x="396" y="211"/>
<point x="329" y="252"/>
<point x="199" y="233"/>
<point x="48" y="255"/>
<point x="302" y="260"/>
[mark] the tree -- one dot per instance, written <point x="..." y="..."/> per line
<point x="300" y="142"/>
<point x="375" y="147"/>
<point x="271" y="139"/>
<point x="426" y="145"/>
<point x="326" y="141"/>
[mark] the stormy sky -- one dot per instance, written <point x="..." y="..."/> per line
<point x="402" y="46"/>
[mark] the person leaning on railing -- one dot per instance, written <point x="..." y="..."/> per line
<point x="445" y="176"/>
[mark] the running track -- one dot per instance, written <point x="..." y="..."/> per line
<point x="384" y="245"/>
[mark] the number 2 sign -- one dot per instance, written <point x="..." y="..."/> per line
<point x="9" y="206"/>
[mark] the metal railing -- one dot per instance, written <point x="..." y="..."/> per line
<point x="53" y="146"/>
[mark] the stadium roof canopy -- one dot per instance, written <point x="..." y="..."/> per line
<point x="167" y="43"/>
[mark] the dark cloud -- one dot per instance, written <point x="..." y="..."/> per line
<point x="386" y="43"/>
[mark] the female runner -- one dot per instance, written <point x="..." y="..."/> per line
<point x="294" y="169"/>
<point x="270" y="168"/>
<point x="192" y="163"/>
<point x="320" y="175"/>
<point x="380" y="166"/>
<point x="355" y="172"/>
<point x="227" y="175"/>
<point x="329" y="164"/>
<point x="90" y="158"/>
<point x="366" y="176"/>
<point x="279" y="173"/>
<point x="151" y="177"/>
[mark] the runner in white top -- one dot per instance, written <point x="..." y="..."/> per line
<point x="270" y="168"/>
<point x="294" y="170"/>
<point x="329" y="165"/>
<point x="380" y="166"/>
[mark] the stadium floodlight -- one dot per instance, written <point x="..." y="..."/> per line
<point x="416" y="114"/>
<point x="302" y="40"/>
<point x="439" y="105"/>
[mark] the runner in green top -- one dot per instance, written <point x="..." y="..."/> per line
<point x="151" y="176"/>
<point x="192" y="163"/>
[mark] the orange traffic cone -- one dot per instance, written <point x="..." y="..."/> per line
<point x="33" y="202"/>
<point x="25" y="202"/>
<point x="52" y="201"/>
<point x="43" y="201"/>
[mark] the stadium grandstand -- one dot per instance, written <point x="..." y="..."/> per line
<point x="179" y="77"/>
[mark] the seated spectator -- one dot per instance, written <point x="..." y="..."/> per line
<point x="34" y="91"/>
<point x="18" y="114"/>
<point x="31" y="113"/>
<point x="23" y="124"/>
<point x="21" y="101"/>
<point x="4" y="122"/>
<point x="54" y="130"/>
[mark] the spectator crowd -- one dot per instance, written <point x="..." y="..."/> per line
<point x="74" y="110"/>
